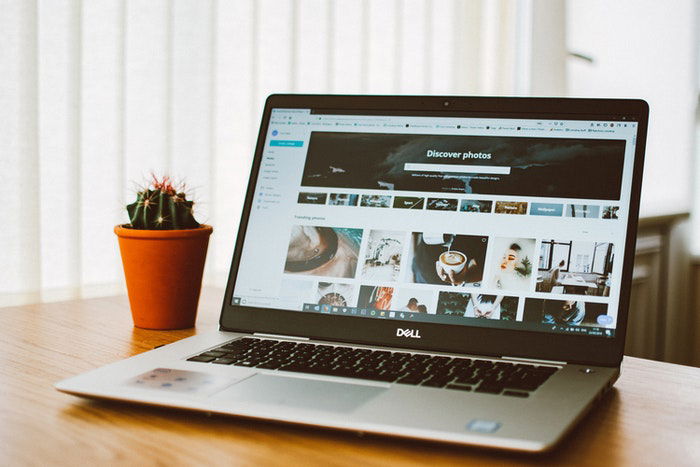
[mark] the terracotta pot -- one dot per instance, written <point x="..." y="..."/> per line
<point x="163" y="270"/>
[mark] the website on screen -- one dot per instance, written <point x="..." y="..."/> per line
<point x="502" y="223"/>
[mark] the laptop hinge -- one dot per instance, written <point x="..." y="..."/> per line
<point x="280" y="336"/>
<point x="533" y="360"/>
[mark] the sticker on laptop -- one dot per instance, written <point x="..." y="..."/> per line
<point x="180" y="381"/>
<point x="483" y="426"/>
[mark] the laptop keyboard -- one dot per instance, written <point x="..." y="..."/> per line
<point x="462" y="374"/>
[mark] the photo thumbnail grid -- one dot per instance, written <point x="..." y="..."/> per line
<point x="423" y="273"/>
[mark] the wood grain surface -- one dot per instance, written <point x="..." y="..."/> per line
<point x="652" y="417"/>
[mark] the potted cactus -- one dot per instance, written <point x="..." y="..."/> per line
<point x="163" y="249"/>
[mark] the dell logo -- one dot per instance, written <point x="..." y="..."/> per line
<point x="414" y="333"/>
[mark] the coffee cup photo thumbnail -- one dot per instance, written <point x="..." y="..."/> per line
<point x="452" y="262"/>
<point x="446" y="259"/>
<point x="323" y="251"/>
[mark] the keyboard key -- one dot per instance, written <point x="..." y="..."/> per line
<point x="467" y="380"/>
<point x="489" y="389"/>
<point x="270" y="365"/>
<point x="462" y="361"/>
<point x="295" y="368"/>
<point x="461" y="387"/>
<point x="200" y="358"/>
<point x="515" y="393"/>
<point x="439" y="361"/>
<point x="224" y="361"/>
<point x="434" y="382"/>
<point x="413" y="380"/>
<point x="247" y="363"/>
<point x="213" y="353"/>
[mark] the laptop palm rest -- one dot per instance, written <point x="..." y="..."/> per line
<point x="301" y="393"/>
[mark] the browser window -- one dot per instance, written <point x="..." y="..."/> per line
<point x="492" y="222"/>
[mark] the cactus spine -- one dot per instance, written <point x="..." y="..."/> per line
<point x="161" y="207"/>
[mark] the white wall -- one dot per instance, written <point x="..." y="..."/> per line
<point x="97" y="94"/>
<point x="644" y="49"/>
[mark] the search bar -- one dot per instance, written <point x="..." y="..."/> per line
<point x="463" y="169"/>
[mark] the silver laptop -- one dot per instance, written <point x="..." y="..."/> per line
<point x="445" y="268"/>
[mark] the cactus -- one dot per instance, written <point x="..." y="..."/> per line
<point x="161" y="206"/>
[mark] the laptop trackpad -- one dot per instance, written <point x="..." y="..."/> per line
<point x="301" y="393"/>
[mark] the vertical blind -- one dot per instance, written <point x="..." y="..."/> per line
<point x="97" y="94"/>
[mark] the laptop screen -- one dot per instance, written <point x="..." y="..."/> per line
<point x="468" y="221"/>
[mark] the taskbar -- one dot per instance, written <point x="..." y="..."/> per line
<point x="459" y="320"/>
<point x="404" y="315"/>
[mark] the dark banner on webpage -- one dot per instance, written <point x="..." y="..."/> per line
<point x="550" y="167"/>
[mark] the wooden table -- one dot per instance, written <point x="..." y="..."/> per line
<point x="651" y="418"/>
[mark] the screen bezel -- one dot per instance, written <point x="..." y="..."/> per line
<point x="590" y="350"/>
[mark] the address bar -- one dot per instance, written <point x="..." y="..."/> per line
<point x="468" y="169"/>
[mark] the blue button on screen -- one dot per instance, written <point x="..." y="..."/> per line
<point x="604" y="319"/>
<point x="286" y="143"/>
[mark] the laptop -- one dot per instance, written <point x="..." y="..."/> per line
<point x="455" y="269"/>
